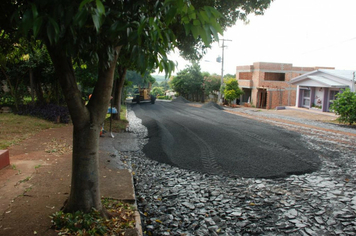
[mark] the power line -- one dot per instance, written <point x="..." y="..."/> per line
<point x="329" y="46"/>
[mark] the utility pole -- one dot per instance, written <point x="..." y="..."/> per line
<point x="222" y="68"/>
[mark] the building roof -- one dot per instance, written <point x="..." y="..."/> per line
<point x="346" y="74"/>
<point x="325" y="78"/>
<point x="326" y="82"/>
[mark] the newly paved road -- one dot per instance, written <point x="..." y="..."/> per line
<point x="212" y="141"/>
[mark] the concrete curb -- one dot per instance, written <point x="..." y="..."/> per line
<point x="118" y="182"/>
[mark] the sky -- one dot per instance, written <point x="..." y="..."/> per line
<point x="300" y="32"/>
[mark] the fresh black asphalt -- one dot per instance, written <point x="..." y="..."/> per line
<point x="210" y="140"/>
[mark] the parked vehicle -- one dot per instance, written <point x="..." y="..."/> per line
<point x="143" y="95"/>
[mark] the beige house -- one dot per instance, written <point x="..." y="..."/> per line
<point x="266" y="84"/>
<point x="317" y="89"/>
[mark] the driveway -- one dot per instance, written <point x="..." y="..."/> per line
<point x="210" y="140"/>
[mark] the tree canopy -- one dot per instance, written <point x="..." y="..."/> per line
<point x="96" y="32"/>
<point x="345" y="106"/>
<point x="189" y="82"/>
<point x="232" y="90"/>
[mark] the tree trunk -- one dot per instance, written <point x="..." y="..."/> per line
<point x="85" y="186"/>
<point x="32" y="87"/>
<point x="119" y="84"/>
<point x="39" y="91"/>
<point x="87" y="120"/>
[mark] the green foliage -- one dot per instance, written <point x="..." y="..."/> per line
<point x="188" y="82"/>
<point x="164" y="97"/>
<point x="80" y="223"/>
<point x="157" y="91"/>
<point x="138" y="79"/>
<point x="231" y="89"/>
<point x="93" y="224"/>
<point x="229" y="76"/>
<point x="345" y="106"/>
<point x="164" y="84"/>
<point x="21" y="59"/>
<point x="211" y="84"/>
<point x="87" y="76"/>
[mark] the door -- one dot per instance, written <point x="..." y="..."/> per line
<point x="306" y="94"/>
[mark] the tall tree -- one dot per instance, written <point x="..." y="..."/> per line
<point x="211" y="84"/>
<point x="189" y="82"/>
<point x="96" y="31"/>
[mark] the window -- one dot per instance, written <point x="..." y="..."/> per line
<point x="332" y="96"/>
<point x="274" y="76"/>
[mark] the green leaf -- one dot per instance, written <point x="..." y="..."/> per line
<point x="214" y="32"/>
<point x="50" y="33"/>
<point x="217" y="27"/>
<point x="193" y="16"/>
<point x="84" y="3"/>
<point x="204" y="16"/>
<point x="26" y="21"/>
<point x="37" y="26"/>
<point x="100" y="7"/>
<point x="34" y="11"/>
<point x="55" y="25"/>
<point x="81" y="17"/>
<point x="195" y="31"/>
<point x="97" y="22"/>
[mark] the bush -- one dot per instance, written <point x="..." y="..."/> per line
<point x="49" y="112"/>
<point x="164" y="97"/>
<point x="345" y="106"/>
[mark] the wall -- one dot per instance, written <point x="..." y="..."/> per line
<point x="318" y="97"/>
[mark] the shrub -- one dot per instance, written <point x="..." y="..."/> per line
<point x="164" y="97"/>
<point x="345" y="106"/>
<point x="49" y="112"/>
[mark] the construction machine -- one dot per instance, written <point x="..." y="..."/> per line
<point x="143" y="94"/>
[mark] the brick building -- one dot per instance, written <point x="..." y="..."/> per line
<point x="265" y="84"/>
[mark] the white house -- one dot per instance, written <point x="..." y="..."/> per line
<point x="318" y="88"/>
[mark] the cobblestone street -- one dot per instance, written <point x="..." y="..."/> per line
<point x="175" y="201"/>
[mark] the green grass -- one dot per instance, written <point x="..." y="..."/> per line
<point x="15" y="128"/>
<point x="117" y="126"/>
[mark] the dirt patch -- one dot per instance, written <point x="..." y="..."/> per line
<point x="37" y="182"/>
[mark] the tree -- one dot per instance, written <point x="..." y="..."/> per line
<point x="228" y="76"/>
<point x="189" y="82"/>
<point x="345" y="106"/>
<point x="156" y="91"/>
<point x="232" y="90"/>
<point x="96" y="31"/>
<point x="211" y="84"/>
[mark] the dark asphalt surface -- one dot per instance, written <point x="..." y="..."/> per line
<point x="212" y="141"/>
